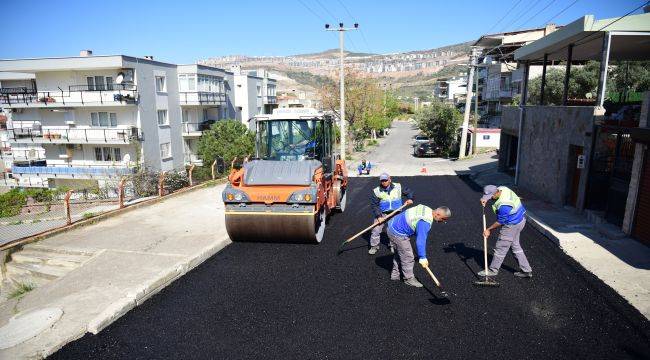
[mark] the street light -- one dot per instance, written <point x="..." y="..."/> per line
<point x="341" y="29"/>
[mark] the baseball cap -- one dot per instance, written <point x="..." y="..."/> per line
<point x="384" y="176"/>
<point x="488" y="191"/>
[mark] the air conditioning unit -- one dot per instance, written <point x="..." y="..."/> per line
<point x="64" y="156"/>
<point x="70" y="123"/>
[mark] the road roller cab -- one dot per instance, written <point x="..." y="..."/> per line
<point x="294" y="181"/>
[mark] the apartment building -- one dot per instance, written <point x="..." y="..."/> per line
<point x="499" y="80"/>
<point x="205" y="97"/>
<point x="88" y="120"/>
<point x="269" y="90"/>
<point x="255" y="93"/>
<point x="450" y="90"/>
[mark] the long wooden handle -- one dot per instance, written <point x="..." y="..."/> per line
<point x="485" y="245"/>
<point x="373" y="225"/>
<point x="435" y="280"/>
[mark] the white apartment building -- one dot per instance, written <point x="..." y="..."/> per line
<point x="255" y="93"/>
<point x="498" y="82"/>
<point x="450" y="90"/>
<point x="205" y="96"/>
<point x="88" y="120"/>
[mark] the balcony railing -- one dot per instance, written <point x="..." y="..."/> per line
<point x="201" y="98"/>
<point x="74" y="95"/>
<point x="197" y="127"/>
<point x="74" y="136"/>
<point x="91" y="170"/>
<point x="270" y="99"/>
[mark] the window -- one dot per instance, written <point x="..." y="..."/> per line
<point x="259" y="90"/>
<point x="108" y="154"/>
<point x="99" y="83"/>
<point x="103" y="119"/>
<point x="165" y="150"/>
<point x="486" y="137"/>
<point x="205" y="114"/>
<point x="160" y="84"/>
<point x="109" y="83"/>
<point x="91" y="83"/>
<point x="259" y="110"/>
<point x="162" y="117"/>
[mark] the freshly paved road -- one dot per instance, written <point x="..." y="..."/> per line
<point x="272" y="301"/>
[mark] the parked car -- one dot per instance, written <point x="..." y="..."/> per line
<point x="419" y="139"/>
<point x="426" y="149"/>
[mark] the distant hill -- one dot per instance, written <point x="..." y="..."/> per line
<point x="334" y="53"/>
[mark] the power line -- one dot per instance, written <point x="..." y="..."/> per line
<point x="363" y="36"/>
<point x="503" y="17"/>
<point x="312" y="11"/>
<point x="536" y="14"/>
<point x="560" y="13"/>
<point x="327" y="11"/>
<point x="521" y="13"/>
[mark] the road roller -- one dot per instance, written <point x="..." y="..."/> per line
<point x="294" y="181"/>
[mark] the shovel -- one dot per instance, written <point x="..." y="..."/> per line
<point x="370" y="227"/>
<point x="487" y="281"/>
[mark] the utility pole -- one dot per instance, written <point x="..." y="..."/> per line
<point x="342" y="31"/>
<point x="468" y="105"/>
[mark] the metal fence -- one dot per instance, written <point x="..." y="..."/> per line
<point x="30" y="211"/>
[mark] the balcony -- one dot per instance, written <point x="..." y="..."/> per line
<point x="193" y="159"/>
<point x="78" y="172"/>
<point x="196" y="129"/>
<point x="75" y="95"/>
<point x="201" y="98"/>
<point x="270" y="99"/>
<point x="66" y="135"/>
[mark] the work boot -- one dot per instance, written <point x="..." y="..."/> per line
<point x="413" y="282"/>
<point x="394" y="277"/>
<point x="524" y="274"/>
<point x="490" y="272"/>
<point x="373" y="250"/>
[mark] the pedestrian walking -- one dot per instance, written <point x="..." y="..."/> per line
<point x="510" y="222"/>
<point x="416" y="221"/>
<point x="384" y="199"/>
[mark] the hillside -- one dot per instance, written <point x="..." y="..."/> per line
<point x="409" y="74"/>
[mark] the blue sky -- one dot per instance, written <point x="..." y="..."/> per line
<point x="184" y="31"/>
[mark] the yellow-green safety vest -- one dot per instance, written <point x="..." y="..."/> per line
<point x="417" y="213"/>
<point x="389" y="200"/>
<point x="509" y="198"/>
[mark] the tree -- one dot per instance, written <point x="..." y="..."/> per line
<point x="621" y="77"/>
<point x="440" y="122"/>
<point x="226" y="139"/>
<point x="364" y="103"/>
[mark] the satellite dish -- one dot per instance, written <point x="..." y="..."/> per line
<point x="120" y="78"/>
<point x="126" y="159"/>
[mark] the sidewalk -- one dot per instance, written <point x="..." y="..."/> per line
<point x="125" y="268"/>
<point x="620" y="262"/>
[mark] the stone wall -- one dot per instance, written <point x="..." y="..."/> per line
<point x="548" y="132"/>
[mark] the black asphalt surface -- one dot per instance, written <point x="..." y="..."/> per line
<point x="286" y="301"/>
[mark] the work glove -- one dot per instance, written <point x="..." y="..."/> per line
<point x="424" y="262"/>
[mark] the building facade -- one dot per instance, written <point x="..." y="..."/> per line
<point x="88" y="120"/>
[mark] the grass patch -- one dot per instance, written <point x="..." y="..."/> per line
<point x="21" y="289"/>
<point x="17" y="222"/>
<point x="88" y="215"/>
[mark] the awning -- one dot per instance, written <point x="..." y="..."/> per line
<point x="630" y="40"/>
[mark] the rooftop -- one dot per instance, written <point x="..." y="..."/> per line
<point x="630" y="41"/>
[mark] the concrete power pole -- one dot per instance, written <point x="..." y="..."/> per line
<point x="468" y="105"/>
<point x="342" y="31"/>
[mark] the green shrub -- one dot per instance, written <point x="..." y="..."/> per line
<point x="175" y="181"/>
<point x="87" y="215"/>
<point x="21" y="289"/>
<point x="12" y="202"/>
<point x="40" y="195"/>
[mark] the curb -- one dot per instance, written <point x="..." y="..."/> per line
<point x="106" y="215"/>
<point x="137" y="297"/>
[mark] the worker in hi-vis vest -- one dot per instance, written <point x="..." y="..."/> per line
<point x="385" y="198"/>
<point x="511" y="220"/>
<point x="417" y="221"/>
